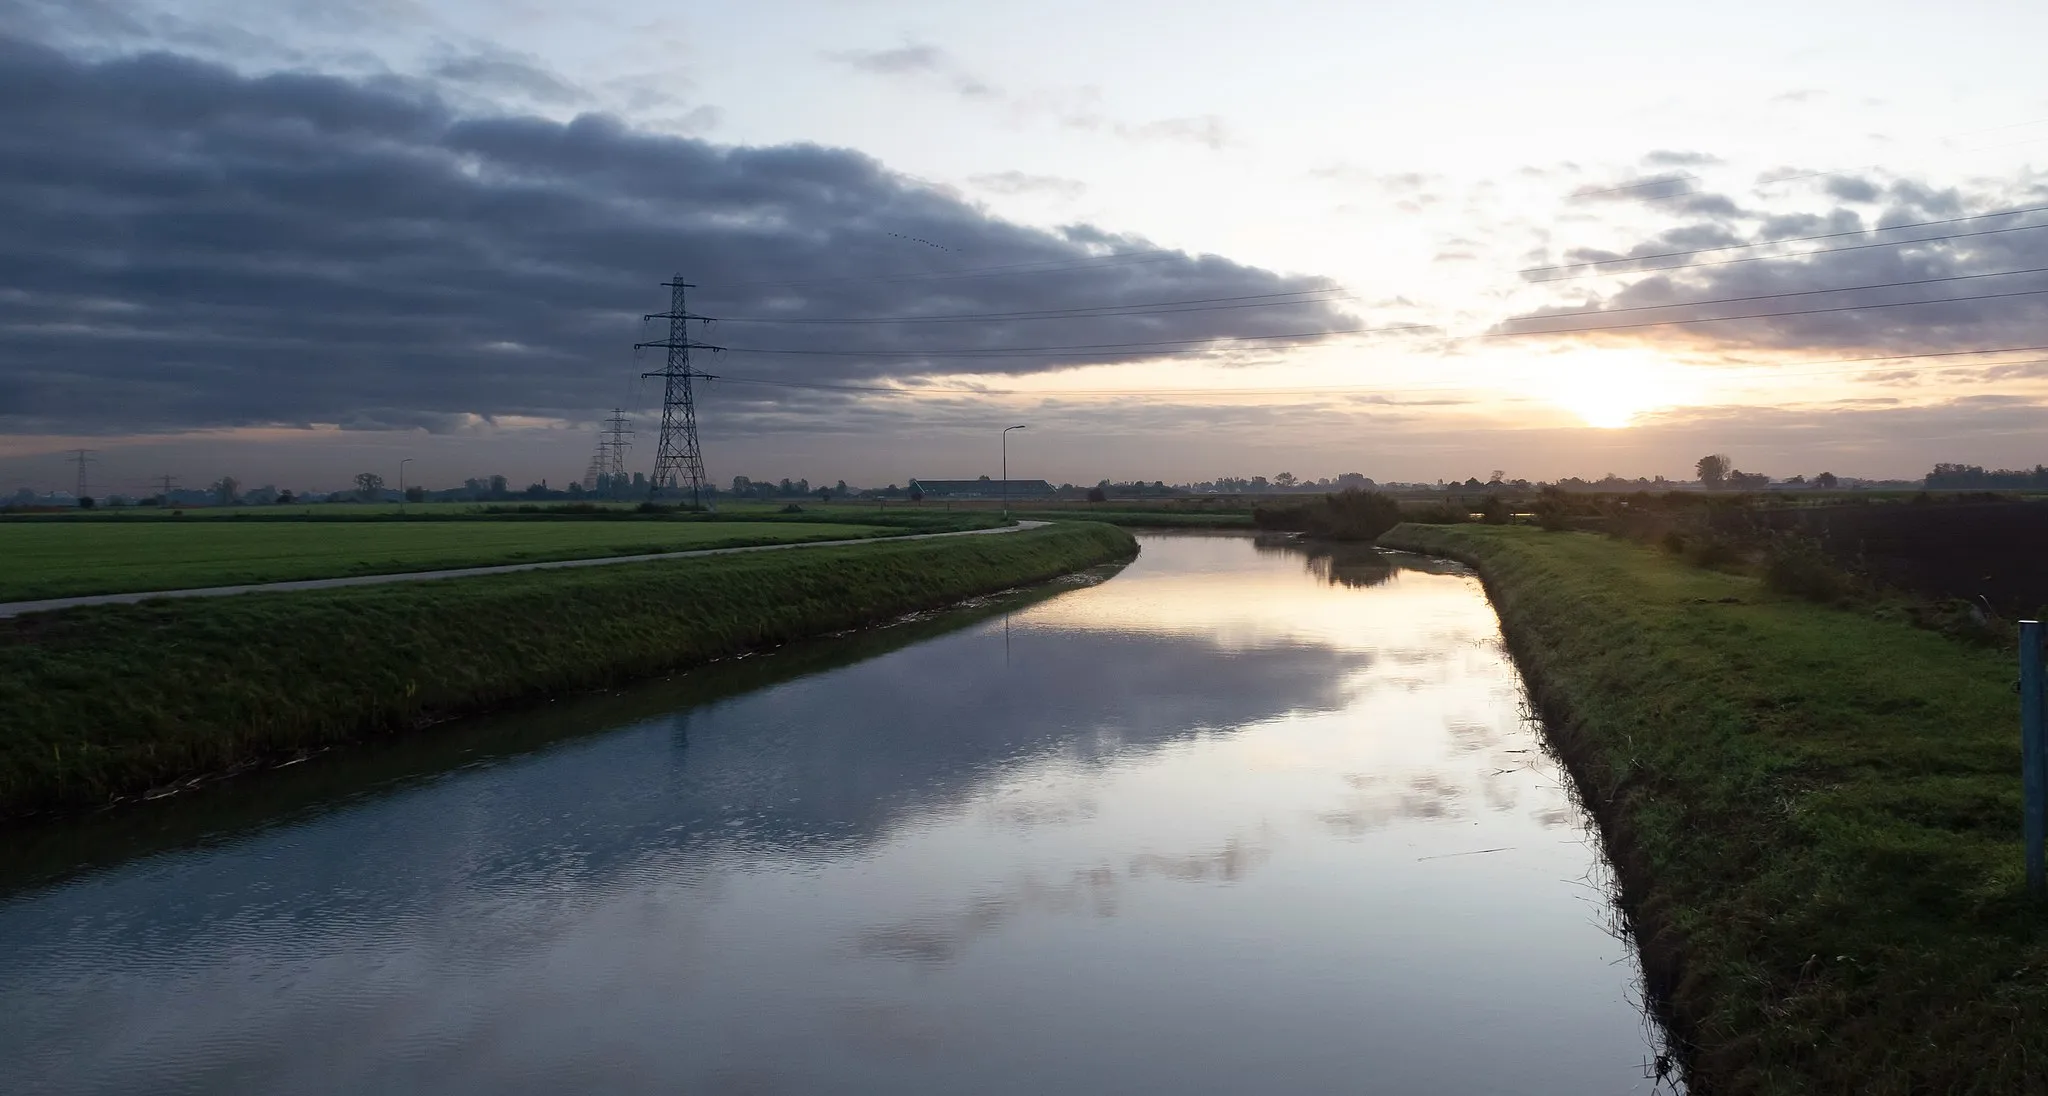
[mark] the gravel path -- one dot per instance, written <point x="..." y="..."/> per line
<point x="16" y="608"/>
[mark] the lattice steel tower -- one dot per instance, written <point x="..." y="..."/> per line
<point x="615" y="436"/>
<point x="677" y="456"/>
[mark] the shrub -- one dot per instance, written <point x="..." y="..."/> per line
<point x="1438" y="513"/>
<point x="1711" y="549"/>
<point x="1799" y="566"/>
<point x="1494" y="511"/>
<point x="1553" y="510"/>
<point x="1354" y="515"/>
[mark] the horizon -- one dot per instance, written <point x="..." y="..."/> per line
<point x="289" y="243"/>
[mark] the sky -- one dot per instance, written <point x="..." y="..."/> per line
<point x="289" y="240"/>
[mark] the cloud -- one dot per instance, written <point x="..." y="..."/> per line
<point x="1075" y="109"/>
<point x="1020" y="182"/>
<point x="185" y="247"/>
<point x="1665" y="157"/>
<point x="1967" y="291"/>
<point x="891" y="62"/>
<point x="916" y="59"/>
<point x="501" y="73"/>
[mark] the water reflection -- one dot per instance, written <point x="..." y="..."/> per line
<point x="1338" y="563"/>
<point x="1227" y="822"/>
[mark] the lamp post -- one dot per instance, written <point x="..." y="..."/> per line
<point x="401" y="483"/>
<point x="1006" y="470"/>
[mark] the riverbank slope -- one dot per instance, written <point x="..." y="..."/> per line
<point x="112" y="701"/>
<point x="1814" y="815"/>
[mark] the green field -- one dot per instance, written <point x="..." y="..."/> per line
<point x="65" y="558"/>
<point x="1814" y="813"/>
<point x="113" y="700"/>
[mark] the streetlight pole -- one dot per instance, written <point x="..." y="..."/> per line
<point x="401" y="483"/>
<point x="1006" y="469"/>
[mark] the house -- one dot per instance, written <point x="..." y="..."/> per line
<point x="983" y="488"/>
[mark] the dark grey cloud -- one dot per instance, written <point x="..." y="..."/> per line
<point x="181" y="247"/>
<point x="1823" y="279"/>
<point x="1849" y="188"/>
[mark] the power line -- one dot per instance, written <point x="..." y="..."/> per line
<point x="1755" y="315"/>
<point x="1776" y="371"/>
<point x="1040" y="267"/>
<point x="1786" y="240"/>
<point x="1787" y="293"/>
<point x="1166" y="347"/>
<point x="1269" y="301"/>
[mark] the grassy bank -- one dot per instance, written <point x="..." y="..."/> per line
<point x="108" y="701"/>
<point x="54" y="559"/>
<point x="1814" y="815"/>
<point x="1148" y="519"/>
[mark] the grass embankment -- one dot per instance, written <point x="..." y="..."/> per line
<point x="113" y="700"/>
<point x="67" y="559"/>
<point x="1148" y="519"/>
<point x="1814" y="815"/>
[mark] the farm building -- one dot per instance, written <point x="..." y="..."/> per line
<point x="983" y="488"/>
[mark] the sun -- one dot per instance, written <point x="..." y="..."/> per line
<point x="1610" y="390"/>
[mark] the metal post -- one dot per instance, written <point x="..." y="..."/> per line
<point x="1006" y="470"/>
<point x="2034" y="753"/>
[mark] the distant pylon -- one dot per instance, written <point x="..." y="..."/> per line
<point x="83" y="457"/>
<point x="617" y="440"/>
<point x="678" y="460"/>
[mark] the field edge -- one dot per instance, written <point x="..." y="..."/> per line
<point x="106" y="703"/>
<point x="1700" y="860"/>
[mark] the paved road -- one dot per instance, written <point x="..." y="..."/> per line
<point x="16" y="608"/>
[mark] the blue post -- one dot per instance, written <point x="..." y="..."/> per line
<point x="2034" y="752"/>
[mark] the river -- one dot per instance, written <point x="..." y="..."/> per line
<point x="1238" y="818"/>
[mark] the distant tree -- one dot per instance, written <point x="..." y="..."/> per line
<point x="841" y="489"/>
<point x="87" y="502"/>
<point x="1499" y="476"/>
<point x="741" y="485"/>
<point x="286" y="498"/>
<point x="1284" y="481"/>
<point x="1747" y="481"/>
<point x="916" y="493"/>
<point x="419" y="494"/>
<point x="1826" y="481"/>
<point x="824" y="494"/>
<point x="1097" y="494"/>
<point x="1713" y="471"/>
<point x="1472" y="483"/>
<point x="368" y="485"/>
<point x="226" y="490"/>
<point x="1494" y="511"/>
<point x="1796" y="481"/>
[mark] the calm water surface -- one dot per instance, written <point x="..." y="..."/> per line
<point x="1239" y="819"/>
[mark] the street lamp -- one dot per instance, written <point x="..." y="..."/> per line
<point x="401" y="483"/>
<point x="1006" y="470"/>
